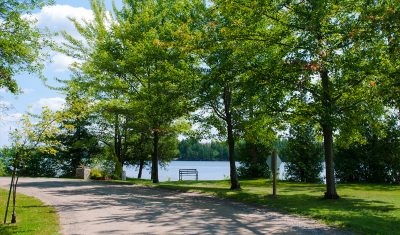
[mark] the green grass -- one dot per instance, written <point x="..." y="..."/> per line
<point x="33" y="217"/>
<point x="362" y="208"/>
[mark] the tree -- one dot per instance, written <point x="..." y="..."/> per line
<point x="253" y="160"/>
<point x="139" y="68"/>
<point x="303" y="154"/>
<point x="374" y="158"/>
<point x="324" y="50"/>
<point x="21" y="43"/>
<point x="32" y="138"/>
<point x="78" y="144"/>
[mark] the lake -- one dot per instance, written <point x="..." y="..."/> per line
<point x="208" y="170"/>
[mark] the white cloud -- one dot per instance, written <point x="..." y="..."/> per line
<point x="61" y="62"/>
<point x="27" y="90"/>
<point x="55" y="17"/>
<point x="8" y="122"/>
<point x="54" y="103"/>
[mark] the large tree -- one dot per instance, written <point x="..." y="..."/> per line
<point x="136" y="68"/>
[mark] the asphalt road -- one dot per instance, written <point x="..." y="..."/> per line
<point x="88" y="207"/>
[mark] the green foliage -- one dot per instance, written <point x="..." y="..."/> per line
<point x="303" y="154"/>
<point x="376" y="159"/>
<point x="21" y="43"/>
<point x="253" y="160"/>
<point x="96" y="174"/>
<point x="192" y="150"/>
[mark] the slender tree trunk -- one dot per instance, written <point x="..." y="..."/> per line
<point x="14" y="214"/>
<point x="117" y="148"/>
<point x="235" y="185"/>
<point x="274" y="166"/>
<point x="154" y="157"/>
<point x="327" y="129"/>
<point x="9" y="194"/>
<point x="141" y="164"/>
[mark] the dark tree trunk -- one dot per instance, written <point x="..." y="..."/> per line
<point x="274" y="166"/>
<point x="141" y="164"/>
<point x="9" y="194"/>
<point x="154" y="157"/>
<point x="327" y="129"/>
<point x="235" y="185"/>
<point x="118" y="147"/>
<point x="329" y="165"/>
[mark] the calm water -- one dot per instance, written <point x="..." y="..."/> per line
<point x="208" y="170"/>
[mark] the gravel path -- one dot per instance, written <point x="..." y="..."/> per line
<point x="87" y="207"/>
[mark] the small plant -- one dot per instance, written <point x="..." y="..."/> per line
<point x="95" y="174"/>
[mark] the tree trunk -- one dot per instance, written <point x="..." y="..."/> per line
<point x="14" y="214"/>
<point x="235" y="185"/>
<point x="117" y="148"/>
<point x="9" y="194"/>
<point x="274" y="166"/>
<point x="141" y="164"/>
<point x="329" y="165"/>
<point x="327" y="129"/>
<point x="154" y="157"/>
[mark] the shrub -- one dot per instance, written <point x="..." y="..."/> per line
<point x="253" y="161"/>
<point x="303" y="155"/>
<point x="96" y="174"/>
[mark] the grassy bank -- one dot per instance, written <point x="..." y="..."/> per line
<point x="33" y="217"/>
<point x="362" y="208"/>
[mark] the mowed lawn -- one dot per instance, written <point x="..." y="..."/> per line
<point x="362" y="208"/>
<point x="33" y="217"/>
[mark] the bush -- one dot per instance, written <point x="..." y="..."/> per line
<point x="253" y="161"/>
<point x="96" y="174"/>
<point x="303" y="155"/>
<point x="375" y="161"/>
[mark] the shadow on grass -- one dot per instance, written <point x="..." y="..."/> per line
<point x="362" y="216"/>
<point x="8" y="229"/>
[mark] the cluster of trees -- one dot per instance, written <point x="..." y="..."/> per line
<point x="324" y="70"/>
<point x="192" y="150"/>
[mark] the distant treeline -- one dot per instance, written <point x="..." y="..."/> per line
<point x="192" y="150"/>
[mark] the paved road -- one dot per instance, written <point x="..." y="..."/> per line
<point x="106" y="208"/>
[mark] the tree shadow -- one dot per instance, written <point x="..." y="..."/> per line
<point x="164" y="210"/>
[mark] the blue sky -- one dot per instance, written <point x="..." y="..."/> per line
<point x="35" y="93"/>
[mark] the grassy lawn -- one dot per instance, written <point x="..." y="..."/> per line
<point x="33" y="217"/>
<point x="362" y="208"/>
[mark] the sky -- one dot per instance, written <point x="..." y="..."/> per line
<point x="35" y="93"/>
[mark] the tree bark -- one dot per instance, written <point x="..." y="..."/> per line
<point x="141" y="164"/>
<point x="274" y="166"/>
<point x="327" y="129"/>
<point x="9" y="194"/>
<point x="154" y="157"/>
<point x="329" y="164"/>
<point x="235" y="185"/>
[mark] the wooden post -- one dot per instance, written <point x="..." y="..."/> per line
<point x="273" y="163"/>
